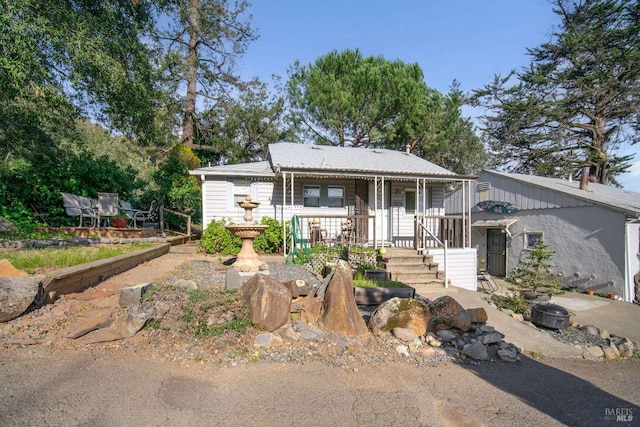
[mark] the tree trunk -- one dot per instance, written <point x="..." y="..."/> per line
<point x="192" y="73"/>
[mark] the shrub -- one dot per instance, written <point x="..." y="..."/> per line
<point x="516" y="303"/>
<point x="217" y="239"/>
<point x="533" y="270"/>
<point x="270" y="241"/>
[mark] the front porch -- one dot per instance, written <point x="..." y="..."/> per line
<point x="437" y="241"/>
<point x="363" y="230"/>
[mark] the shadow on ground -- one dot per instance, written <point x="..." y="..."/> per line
<point x="565" y="397"/>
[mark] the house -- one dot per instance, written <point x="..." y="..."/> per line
<point x="594" y="231"/>
<point x="372" y="197"/>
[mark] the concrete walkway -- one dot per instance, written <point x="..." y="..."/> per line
<point x="617" y="317"/>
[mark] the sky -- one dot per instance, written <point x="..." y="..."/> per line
<point x="467" y="40"/>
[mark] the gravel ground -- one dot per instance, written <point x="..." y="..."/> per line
<point x="183" y="332"/>
<point x="172" y="338"/>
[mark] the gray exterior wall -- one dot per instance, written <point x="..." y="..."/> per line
<point x="588" y="238"/>
<point x="588" y="244"/>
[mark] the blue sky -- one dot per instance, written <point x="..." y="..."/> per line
<point x="466" y="40"/>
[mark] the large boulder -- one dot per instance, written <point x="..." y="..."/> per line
<point x="447" y="313"/>
<point x="16" y="295"/>
<point x="340" y="312"/>
<point x="400" y="313"/>
<point x="269" y="302"/>
<point x="8" y="270"/>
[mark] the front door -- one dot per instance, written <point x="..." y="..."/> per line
<point x="361" y="210"/>
<point x="496" y="252"/>
<point x="380" y="191"/>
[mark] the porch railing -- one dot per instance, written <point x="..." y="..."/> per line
<point x="427" y="235"/>
<point x="433" y="231"/>
<point x="345" y="229"/>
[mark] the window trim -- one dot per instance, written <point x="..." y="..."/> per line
<point x="418" y="202"/>
<point x="305" y="198"/>
<point x="538" y="235"/>
<point x="341" y="198"/>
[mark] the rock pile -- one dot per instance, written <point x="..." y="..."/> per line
<point x="596" y="343"/>
<point x="329" y="312"/>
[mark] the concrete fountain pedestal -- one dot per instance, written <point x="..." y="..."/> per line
<point x="247" y="262"/>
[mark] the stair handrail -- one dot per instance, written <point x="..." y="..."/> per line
<point x="444" y="245"/>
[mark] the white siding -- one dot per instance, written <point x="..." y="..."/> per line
<point x="462" y="269"/>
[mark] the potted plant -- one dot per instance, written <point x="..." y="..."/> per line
<point x="120" y="220"/>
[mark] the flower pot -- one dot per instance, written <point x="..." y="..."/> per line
<point x="589" y="291"/>
<point x="611" y="295"/>
<point x="120" y="222"/>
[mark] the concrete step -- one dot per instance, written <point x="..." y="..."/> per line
<point x="416" y="279"/>
<point x="409" y="268"/>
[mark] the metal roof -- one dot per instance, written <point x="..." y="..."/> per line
<point x="613" y="197"/>
<point x="290" y="156"/>
<point x="255" y="169"/>
<point x="335" y="161"/>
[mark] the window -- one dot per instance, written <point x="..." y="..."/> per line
<point x="410" y="202"/>
<point x="335" y="197"/>
<point x="311" y="196"/>
<point x="241" y="189"/>
<point x="532" y="238"/>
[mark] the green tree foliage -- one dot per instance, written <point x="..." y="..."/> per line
<point x="346" y="99"/>
<point x="578" y="100"/>
<point x="201" y="40"/>
<point x="435" y="130"/>
<point x="177" y="190"/>
<point x="239" y="130"/>
<point x="88" y="54"/>
<point x="533" y="270"/>
<point x="25" y="185"/>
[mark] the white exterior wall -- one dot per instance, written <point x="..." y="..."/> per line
<point x="632" y="254"/>
<point x="217" y="201"/>
<point x="462" y="267"/>
<point x="218" y="204"/>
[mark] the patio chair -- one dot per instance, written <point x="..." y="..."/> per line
<point x="346" y="234"/>
<point x="108" y="207"/>
<point x="79" y="206"/>
<point x="316" y="233"/>
<point x="144" y="216"/>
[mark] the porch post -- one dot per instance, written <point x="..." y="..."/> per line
<point x="284" y="204"/>
<point x="464" y="215"/>
<point x="418" y="218"/>
<point x="469" y="216"/>
<point x="383" y="227"/>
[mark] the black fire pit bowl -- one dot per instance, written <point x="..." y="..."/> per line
<point x="550" y="316"/>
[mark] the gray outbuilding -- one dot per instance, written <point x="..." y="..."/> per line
<point x="595" y="232"/>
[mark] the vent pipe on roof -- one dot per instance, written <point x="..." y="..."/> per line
<point x="408" y="148"/>
<point x="584" y="177"/>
